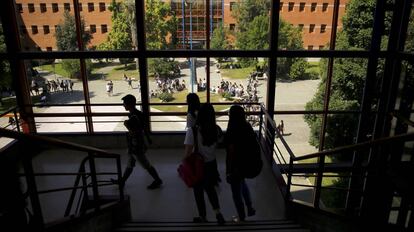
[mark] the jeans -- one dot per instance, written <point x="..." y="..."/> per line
<point x="240" y="191"/>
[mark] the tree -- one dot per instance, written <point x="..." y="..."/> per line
<point x="159" y="23"/>
<point x="119" y="37"/>
<point x="219" y="40"/>
<point x="347" y="79"/>
<point x="252" y="18"/>
<point x="66" y="40"/>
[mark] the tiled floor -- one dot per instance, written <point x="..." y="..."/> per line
<point x="173" y="202"/>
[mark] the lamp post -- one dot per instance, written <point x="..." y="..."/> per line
<point x="191" y="60"/>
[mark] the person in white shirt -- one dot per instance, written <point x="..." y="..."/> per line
<point x="208" y="135"/>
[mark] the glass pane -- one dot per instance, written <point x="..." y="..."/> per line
<point x="301" y="132"/>
<point x="166" y="28"/>
<point x="334" y="198"/>
<point x="341" y="130"/>
<point x="170" y="80"/>
<point x="409" y="41"/>
<point x="55" y="81"/>
<point x="111" y="24"/>
<point x="111" y="79"/>
<point x="348" y="80"/>
<point x="60" y="123"/>
<point x="355" y="25"/>
<point x="9" y="117"/>
<point x="299" y="84"/>
<point x="48" y="26"/>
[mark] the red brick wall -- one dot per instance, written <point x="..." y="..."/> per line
<point x="51" y="19"/>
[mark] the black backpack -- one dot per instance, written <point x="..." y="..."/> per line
<point x="250" y="163"/>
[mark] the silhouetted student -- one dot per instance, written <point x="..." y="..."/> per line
<point x="238" y="130"/>
<point x="193" y="103"/>
<point x="208" y="134"/>
<point x="136" y="143"/>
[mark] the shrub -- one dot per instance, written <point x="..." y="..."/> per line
<point x="166" y="97"/>
<point x="227" y="96"/>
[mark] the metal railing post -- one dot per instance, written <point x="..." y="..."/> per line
<point x="94" y="180"/>
<point x="317" y="196"/>
<point x="289" y="179"/>
<point x="121" y="186"/>
<point x="34" y="196"/>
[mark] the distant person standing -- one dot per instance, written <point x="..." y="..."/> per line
<point x="136" y="143"/>
<point x="130" y="83"/>
<point x="282" y="127"/>
<point x="109" y="88"/>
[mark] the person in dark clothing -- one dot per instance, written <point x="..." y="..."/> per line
<point x="238" y="131"/>
<point x="136" y="143"/>
<point x="208" y="136"/>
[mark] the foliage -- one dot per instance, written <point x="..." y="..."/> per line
<point x="159" y="23"/>
<point x="72" y="67"/>
<point x="164" y="67"/>
<point x="165" y="97"/>
<point x="227" y="96"/>
<point x="219" y="40"/>
<point x="119" y="37"/>
<point x="252" y="18"/>
<point x="66" y="39"/>
<point x="5" y="73"/>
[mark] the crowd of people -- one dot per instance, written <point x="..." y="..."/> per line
<point x="167" y="85"/>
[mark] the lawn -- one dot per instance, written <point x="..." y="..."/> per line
<point x="118" y="71"/>
<point x="313" y="67"/>
<point x="57" y="69"/>
<point x="240" y="73"/>
<point x="180" y="97"/>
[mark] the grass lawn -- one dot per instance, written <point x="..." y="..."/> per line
<point x="117" y="72"/>
<point x="240" y="73"/>
<point x="180" y="97"/>
<point x="58" y="69"/>
<point x="313" y="67"/>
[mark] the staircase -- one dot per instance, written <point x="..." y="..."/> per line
<point x="266" y="225"/>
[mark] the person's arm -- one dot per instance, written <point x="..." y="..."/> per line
<point x="188" y="142"/>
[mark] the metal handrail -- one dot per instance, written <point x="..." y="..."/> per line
<point x="93" y="153"/>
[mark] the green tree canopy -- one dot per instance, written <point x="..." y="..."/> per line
<point x="66" y="39"/>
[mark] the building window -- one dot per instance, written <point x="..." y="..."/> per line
<point x="102" y="6"/>
<point x="310" y="47"/>
<point x="301" y="6"/>
<point x="46" y="29"/>
<point x="281" y="6"/>
<point x="311" y="28"/>
<point x="43" y="7"/>
<point x="34" y="29"/>
<point x="321" y="47"/>
<point x="313" y="6"/>
<point x="19" y="8"/>
<point x="232" y="5"/>
<point x="49" y="49"/>
<point x="55" y="7"/>
<point x="66" y="6"/>
<point x="80" y="6"/>
<point x="23" y="29"/>
<point x="291" y="5"/>
<point x="31" y="7"/>
<point x="324" y="7"/>
<point x="232" y="26"/>
<point x="104" y="28"/>
<point x="300" y="26"/>
<point x="90" y="6"/>
<point x="92" y="28"/>
<point x="323" y="28"/>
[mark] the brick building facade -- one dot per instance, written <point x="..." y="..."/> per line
<point x="38" y="19"/>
